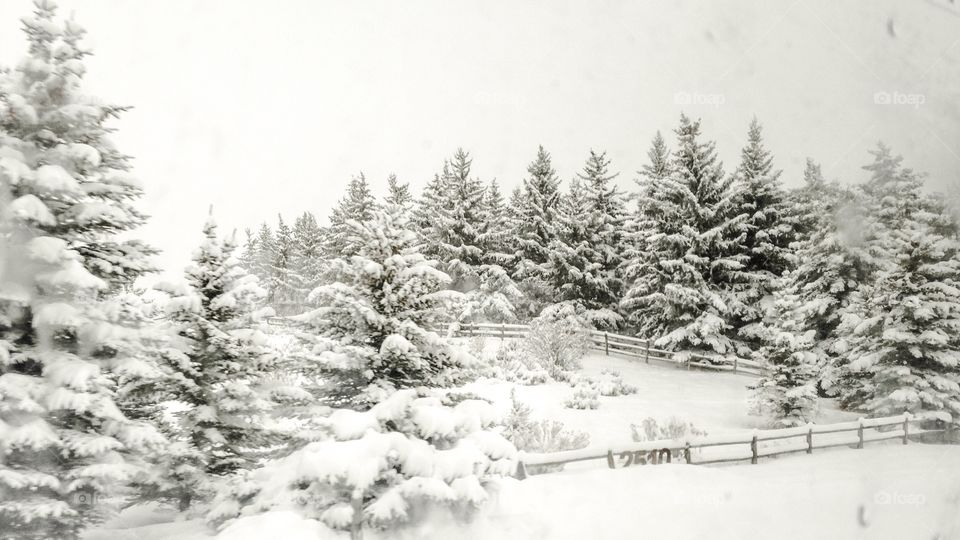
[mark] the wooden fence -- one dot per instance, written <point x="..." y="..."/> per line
<point x="759" y="444"/>
<point x="632" y="347"/>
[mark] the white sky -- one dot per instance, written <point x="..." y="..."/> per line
<point x="265" y="107"/>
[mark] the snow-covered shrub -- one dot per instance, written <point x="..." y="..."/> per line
<point x="584" y="396"/>
<point x="608" y="383"/>
<point x="382" y="467"/>
<point x="373" y="322"/>
<point x="513" y="363"/>
<point x="558" y="339"/>
<point x="674" y="428"/>
<point x="540" y="436"/>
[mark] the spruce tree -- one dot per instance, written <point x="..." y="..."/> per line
<point x="266" y="252"/>
<point x="585" y="259"/>
<point x="223" y="376"/>
<point x="285" y="283"/>
<point x="534" y="210"/>
<point x="454" y="222"/>
<point x="375" y="320"/>
<point x="66" y="194"/>
<point x="683" y="282"/>
<point x="905" y="333"/>
<point x="357" y="205"/>
<point x="308" y="255"/>
<point x="767" y="231"/>
<point x="398" y="194"/>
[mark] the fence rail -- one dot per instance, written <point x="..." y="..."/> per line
<point x="633" y="347"/>
<point x="725" y="449"/>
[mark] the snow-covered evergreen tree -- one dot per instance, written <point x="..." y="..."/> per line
<point x="455" y="222"/>
<point x="495" y="299"/>
<point x="266" y="252"/>
<point x="222" y="374"/>
<point x="768" y="232"/>
<point x="65" y="194"/>
<point x="398" y="193"/>
<point x="584" y="261"/>
<point x="396" y="463"/>
<point x="905" y="333"/>
<point x="683" y="280"/>
<point x="357" y="205"/>
<point x="285" y="283"/>
<point x="375" y="320"/>
<point x="900" y="329"/>
<point x="308" y="258"/>
<point x="534" y="223"/>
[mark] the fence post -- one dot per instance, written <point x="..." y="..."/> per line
<point x="610" y="462"/>
<point x="356" y="523"/>
<point x="686" y="453"/>
<point x="648" y="351"/>
<point x="753" y="450"/>
<point x="503" y="331"/>
<point x="606" y="343"/>
<point x="860" y="434"/>
<point x="906" y="427"/>
<point x="735" y="360"/>
<point x="809" y="439"/>
<point x="521" y="471"/>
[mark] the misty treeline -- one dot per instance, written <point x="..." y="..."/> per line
<point x="112" y="395"/>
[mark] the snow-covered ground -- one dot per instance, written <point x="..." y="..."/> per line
<point x="883" y="491"/>
<point x="715" y="402"/>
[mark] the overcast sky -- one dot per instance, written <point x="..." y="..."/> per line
<point x="262" y="107"/>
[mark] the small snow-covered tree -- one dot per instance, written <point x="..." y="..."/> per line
<point x="376" y="319"/>
<point x="787" y="395"/>
<point x="65" y="194"/>
<point x="495" y="299"/>
<point x="221" y="374"/>
<point x="394" y="464"/>
<point x="558" y="338"/>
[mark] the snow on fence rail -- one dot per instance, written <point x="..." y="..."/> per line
<point x="625" y="346"/>
<point x="732" y="448"/>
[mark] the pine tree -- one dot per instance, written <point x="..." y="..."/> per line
<point x="285" y="283"/>
<point x="768" y="232"/>
<point x="376" y="317"/>
<point x="454" y="232"/>
<point x="534" y="210"/>
<point x="266" y="252"/>
<point x="495" y="231"/>
<point x="65" y="194"/>
<point x="223" y="376"/>
<point x="911" y="236"/>
<point x="905" y="339"/>
<point x="248" y="258"/>
<point x="398" y="194"/>
<point x="358" y="205"/>
<point x="308" y="258"/>
<point x="807" y="201"/>
<point x="585" y="259"/>
<point x="683" y="282"/>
